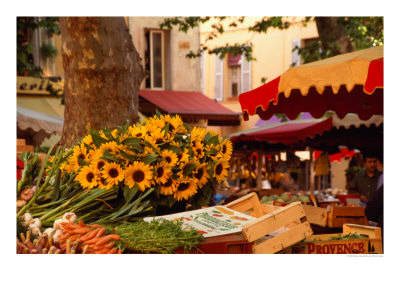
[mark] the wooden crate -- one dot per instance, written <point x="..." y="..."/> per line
<point x="339" y="215"/>
<point x="322" y="243"/>
<point x="234" y="243"/>
<point x="275" y="228"/>
<point x="316" y="215"/>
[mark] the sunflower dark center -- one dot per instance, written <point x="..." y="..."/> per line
<point x="193" y="143"/>
<point x="224" y="149"/>
<point x="169" y="159"/>
<point x="138" y="176"/>
<point x="139" y="134"/>
<point x="168" y="183"/>
<point x="180" y="156"/>
<point x="100" y="164"/>
<point x="199" y="151"/>
<point x="113" y="173"/>
<point x="218" y="169"/>
<point x="171" y="127"/>
<point x="160" y="172"/>
<point x="183" y="186"/>
<point x="159" y="141"/>
<point x="89" y="177"/>
<point x="82" y="156"/>
<point x="199" y="174"/>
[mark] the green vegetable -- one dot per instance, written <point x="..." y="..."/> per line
<point x="157" y="236"/>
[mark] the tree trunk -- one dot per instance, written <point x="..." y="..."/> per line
<point x="103" y="73"/>
<point x="333" y="36"/>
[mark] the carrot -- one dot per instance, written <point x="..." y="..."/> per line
<point x="104" y="251"/>
<point x="22" y="237"/>
<point x="119" y="251"/>
<point x="91" y="242"/>
<point x="101" y="232"/>
<point x="96" y="225"/>
<point x="80" y="230"/>
<point x="99" y="247"/>
<point x="89" y="235"/>
<point x="81" y="224"/>
<point x="73" y="238"/>
<point x="114" y="237"/>
<point x="112" y="251"/>
<point x="103" y="240"/>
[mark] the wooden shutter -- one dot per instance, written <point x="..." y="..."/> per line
<point x="245" y="71"/>
<point x="218" y="86"/>
<point x="296" y="59"/>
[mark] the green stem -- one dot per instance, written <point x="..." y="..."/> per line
<point x="37" y="192"/>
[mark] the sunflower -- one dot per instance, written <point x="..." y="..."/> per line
<point x="226" y="149"/>
<point x="183" y="156"/>
<point x="162" y="172"/>
<point x="198" y="149"/>
<point x="169" y="187"/>
<point x="113" y="173"/>
<point x="98" y="163"/>
<point x="88" y="140"/>
<point x="185" y="188"/>
<point x="201" y="174"/>
<point x="111" y="147"/>
<point x="221" y="170"/>
<point x="174" y="123"/>
<point x="198" y="133"/>
<point x="158" y="137"/>
<point x="139" y="173"/>
<point x="186" y="164"/>
<point x="138" y="131"/>
<point x="169" y="156"/>
<point x="102" y="183"/>
<point x="87" y="177"/>
<point x="79" y="152"/>
<point x="154" y="123"/>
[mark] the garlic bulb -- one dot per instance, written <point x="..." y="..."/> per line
<point x="57" y="224"/>
<point x="27" y="217"/>
<point x="21" y="203"/>
<point x="48" y="231"/>
<point x="26" y="194"/>
<point x="35" y="229"/>
<point x="36" y="222"/>
<point x="70" y="217"/>
<point x="56" y="235"/>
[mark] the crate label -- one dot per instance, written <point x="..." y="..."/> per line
<point x="210" y="221"/>
<point x="342" y="247"/>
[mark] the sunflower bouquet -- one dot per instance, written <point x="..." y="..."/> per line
<point x="157" y="162"/>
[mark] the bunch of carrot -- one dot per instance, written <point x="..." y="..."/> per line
<point x="88" y="239"/>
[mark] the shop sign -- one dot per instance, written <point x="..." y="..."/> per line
<point x="210" y="221"/>
<point x="36" y="86"/>
<point x="338" y="247"/>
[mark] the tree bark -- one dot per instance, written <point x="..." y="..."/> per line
<point x="333" y="36"/>
<point x="103" y="73"/>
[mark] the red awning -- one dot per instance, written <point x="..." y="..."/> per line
<point x="285" y="133"/>
<point x="189" y="105"/>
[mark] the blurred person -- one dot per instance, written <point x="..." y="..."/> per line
<point x="365" y="182"/>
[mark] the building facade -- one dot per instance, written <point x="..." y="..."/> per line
<point x="225" y="79"/>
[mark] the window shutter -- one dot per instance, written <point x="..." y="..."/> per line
<point x="219" y="68"/>
<point x="295" y="54"/>
<point x="245" y="75"/>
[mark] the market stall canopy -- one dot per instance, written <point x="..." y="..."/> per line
<point x="284" y="133"/>
<point x="189" y="105"/>
<point x="27" y="118"/>
<point x="348" y="83"/>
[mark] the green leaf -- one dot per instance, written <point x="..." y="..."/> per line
<point x="189" y="169"/>
<point x="150" y="159"/>
<point x="129" y="193"/>
<point x="126" y="155"/>
<point x="214" y="140"/>
<point x="166" y="128"/>
<point x="107" y="133"/>
<point x="131" y="142"/>
<point x="82" y="162"/>
<point x="187" y="127"/>
<point x="97" y="139"/>
<point x="108" y="156"/>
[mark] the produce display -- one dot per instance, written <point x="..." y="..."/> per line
<point x="112" y="179"/>
<point x="285" y="198"/>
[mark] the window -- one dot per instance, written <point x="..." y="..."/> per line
<point x="219" y="69"/>
<point x="245" y="75"/>
<point x="239" y="75"/>
<point x="296" y="59"/>
<point x="154" y="59"/>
